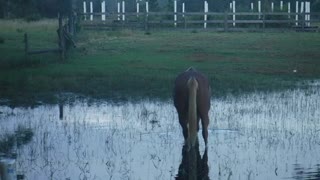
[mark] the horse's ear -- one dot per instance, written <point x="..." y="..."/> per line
<point x="191" y="69"/>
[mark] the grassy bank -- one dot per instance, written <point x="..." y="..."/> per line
<point x="132" y="65"/>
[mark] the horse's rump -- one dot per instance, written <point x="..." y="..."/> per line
<point x="182" y="94"/>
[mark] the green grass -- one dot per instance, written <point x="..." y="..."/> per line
<point x="121" y="65"/>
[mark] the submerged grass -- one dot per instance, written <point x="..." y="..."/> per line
<point x="131" y="65"/>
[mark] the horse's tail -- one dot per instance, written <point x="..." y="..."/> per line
<point x="192" y="111"/>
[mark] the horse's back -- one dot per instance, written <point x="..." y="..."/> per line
<point x="181" y="90"/>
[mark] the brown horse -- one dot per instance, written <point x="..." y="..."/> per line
<point x="192" y="101"/>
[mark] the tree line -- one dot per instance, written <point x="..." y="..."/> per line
<point x="34" y="9"/>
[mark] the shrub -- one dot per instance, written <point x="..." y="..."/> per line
<point x="33" y="17"/>
<point x="1" y="40"/>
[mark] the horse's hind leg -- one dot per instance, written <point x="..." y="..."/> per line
<point x="183" y="123"/>
<point x="205" y="124"/>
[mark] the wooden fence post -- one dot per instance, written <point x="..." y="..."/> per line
<point x="263" y="21"/>
<point x="289" y="10"/>
<point x="146" y="17"/>
<point x="123" y="11"/>
<point x="234" y="12"/>
<point x="146" y="21"/>
<point x="205" y="14"/>
<point x="91" y="11"/>
<point x="259" y="9"/>
<point x="302" y="11"/>
<point x="183" y="15"/>
<point x="138" y="8"/>
<point x="297" y="11"/>
<point x="307" y="11"/>
<point x="103" y="10"/>
<point x="85" y="10"/>
<point x="118" y="10"/>
<point x="147" y="7"/>
<point x="225" y="21"/>
<point x="62" y="45"/>
<point x="303" y="22"/>
<point x="175" y="12"/>
<point x="183" y="9"/>
<point x="26" y="45"/>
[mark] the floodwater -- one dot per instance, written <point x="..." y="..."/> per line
<point x="254" y="136"/>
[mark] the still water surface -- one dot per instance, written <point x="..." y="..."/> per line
<point x="255" y="136"/>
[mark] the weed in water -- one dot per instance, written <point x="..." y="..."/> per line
<point x="21" y="136"/>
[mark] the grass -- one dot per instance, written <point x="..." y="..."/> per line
<point x="122" y="65"/>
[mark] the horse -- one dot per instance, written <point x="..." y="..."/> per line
<point x="191" y="98"/>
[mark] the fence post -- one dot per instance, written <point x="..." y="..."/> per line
<point x="302" y="14"/>
<point x="175" y="12"/>
<point x="251" y="6"/>
<point x="263" y="21"/>
<point x="118" y="10"/>
<point x="303" y="20"/>
<point x="147" y="8"/>
<point x="138" y="8"/>
<point x="123" y="11"/>
<point x="183" y="9"/>
<point x="259" y="9"/>
<point x="91" y="11"/>
<point x="272" y="6"/>
<point x="297" y="11"/>
<point x="289" y="10"/>
<point x="146" y="21"/>
<point x="281" y="5"/>
<point x="234" y="11"/>
<point x="307" y="11"/>
<point x="26" y="45"/>
<point x="205" y="14"/>
<point x="62" y="46"/>
<point x="225" y="21"/>
<point x="85" y="10"/>
<point x="183" y="15"/>
<point x="103" y="10"/>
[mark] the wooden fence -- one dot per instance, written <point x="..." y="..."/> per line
<point x="226" y="21"/>
<point x="65" y="34"/>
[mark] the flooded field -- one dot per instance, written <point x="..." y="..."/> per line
<point x="255" y="136"/>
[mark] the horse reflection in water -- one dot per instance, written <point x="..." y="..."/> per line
<point x="192" y="166"/>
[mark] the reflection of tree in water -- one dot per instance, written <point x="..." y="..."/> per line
<point x="306" y="173"/>
<point x="192" y="165"/>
